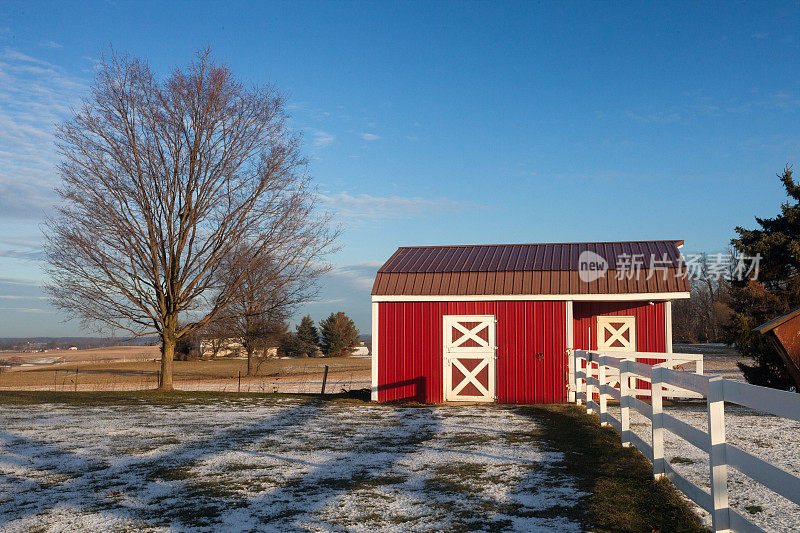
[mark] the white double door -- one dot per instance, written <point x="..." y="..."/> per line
<point x="469" y="358"/>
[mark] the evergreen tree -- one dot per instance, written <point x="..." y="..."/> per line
<point x="307" y="332"/>
<point x="776" y="290"/>
<point x="339" y="335"/>
<point x="303" y="342"/>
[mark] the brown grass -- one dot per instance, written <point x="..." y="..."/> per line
<point x="624" y="496"/>
<point x="145" y="373"/>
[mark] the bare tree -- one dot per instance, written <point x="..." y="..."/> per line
<point x="706" y="314"/>
<point x="265" y="299"/>
<point x="161" y="179"/>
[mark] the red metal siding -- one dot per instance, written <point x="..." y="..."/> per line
<point x="410" y="349"/>
<point x="650" y="326"/>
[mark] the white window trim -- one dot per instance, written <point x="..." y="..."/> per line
<point x="604" y="321"/>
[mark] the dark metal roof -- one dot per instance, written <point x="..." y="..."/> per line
<point x="509" y="269"/>
<point x="528" y="257"/>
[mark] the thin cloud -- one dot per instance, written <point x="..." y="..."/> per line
<point x="377" y="207"/>
<point x="28" y="255"/>
<point x="362" y="275"/>
<point x="655" y="118"/>
<point x="345" y="287"/>
<point x="34" y="95"/>
<point x="323" y="138"/>
<point x="329" y="301"/>
<point x="28" y="310"/>
<point x="370" y="136"/>
<point x="23" y="296"/>
<point x="28" y="241"/>
<point x="19" y="282"/>
<point x="15" y="55"/>
<point x="51" y="44"/>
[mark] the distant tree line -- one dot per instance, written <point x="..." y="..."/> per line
<point x="706" y="316"/>
<point x="336" y="336"/>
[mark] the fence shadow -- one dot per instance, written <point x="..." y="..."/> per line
<point x="409" y="390"/>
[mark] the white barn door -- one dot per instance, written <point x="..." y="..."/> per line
<point x="469" y="358"/>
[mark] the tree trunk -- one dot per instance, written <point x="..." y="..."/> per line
<point x="250" y="362"/>
<point x="167" y="354"/>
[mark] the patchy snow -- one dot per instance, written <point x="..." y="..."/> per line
<point x="281" y="464"/>
<point x="773" y="439"/>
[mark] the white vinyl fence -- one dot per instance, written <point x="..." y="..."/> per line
<point x="618" y="376"/>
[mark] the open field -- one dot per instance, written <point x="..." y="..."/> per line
<point x="93" y="355"/>
<point x="274" y="375"/>
<point x="210" y="461"/>
<point x="718" y="359"/>
<point x="136" y="368"/>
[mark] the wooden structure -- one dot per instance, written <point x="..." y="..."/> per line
<point x="494" y="323"/>
<point x="783" y="333"/>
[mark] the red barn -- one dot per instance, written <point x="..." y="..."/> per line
<point x="494" y="322"/>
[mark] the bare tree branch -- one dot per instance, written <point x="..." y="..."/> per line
<point x="161" y="180"/>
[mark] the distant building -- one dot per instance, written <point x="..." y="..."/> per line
<point x="73" y="347"/>
<point x="361" y="349"/>
<point x="230" y="347"/>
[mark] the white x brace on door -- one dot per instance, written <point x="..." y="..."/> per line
<point x="469" y="358"/>
<point x="616" y="333"/>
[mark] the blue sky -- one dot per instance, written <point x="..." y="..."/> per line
<point x="443" y="123"/>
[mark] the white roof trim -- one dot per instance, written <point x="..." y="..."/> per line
<point x="624" y="297"/>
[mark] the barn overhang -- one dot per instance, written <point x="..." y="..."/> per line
<point x="783" y="333"/>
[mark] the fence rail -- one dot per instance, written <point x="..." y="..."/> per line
<point x="593" y="374"/>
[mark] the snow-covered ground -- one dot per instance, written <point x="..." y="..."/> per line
<point x="278" y="464"/>
<point x="773" y="439"/>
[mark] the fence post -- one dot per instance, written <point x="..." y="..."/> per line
<point x="571" y="376"/>
<point x="76" y="379"/>
<point x="577" y="366"/>
<point x="324" y="379"/>
<point x="624" y="403"/>
<point x="718" y="463"/>
<point x="601" y="377"/>
<point x="657" y="422"/>
<point x="239" y="385"/>
<point x="589" y="387"/>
